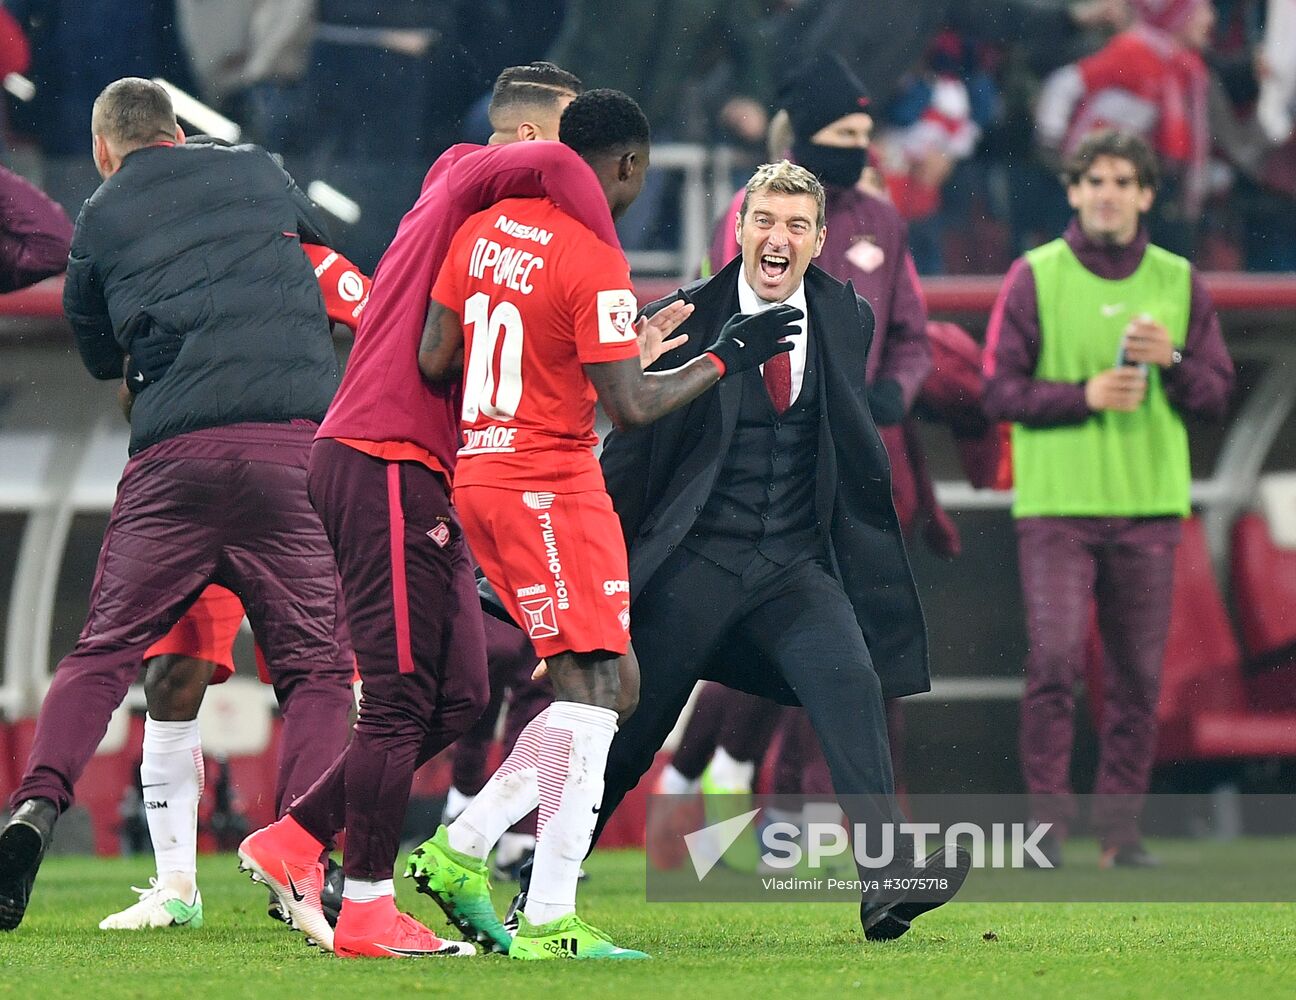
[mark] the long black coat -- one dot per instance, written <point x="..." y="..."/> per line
<point x="659" y="478"/>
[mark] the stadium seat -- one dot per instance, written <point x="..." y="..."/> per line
<point x="1204" y="712"/>
<point x="1264" y="594"/>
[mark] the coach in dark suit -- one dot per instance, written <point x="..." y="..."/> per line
<point x="764" y="548"/>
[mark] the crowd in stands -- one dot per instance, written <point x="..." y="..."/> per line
<point x="975" y="102"/>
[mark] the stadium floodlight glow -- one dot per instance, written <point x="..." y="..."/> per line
<point x="333" y="201"/>
<point x="208" y="120"/>
<point x="19" y="86"/>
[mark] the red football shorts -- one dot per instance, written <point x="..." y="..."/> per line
<point x="557" y="561"/>
<point x="206" y="632"/>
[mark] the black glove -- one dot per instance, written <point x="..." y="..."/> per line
<point x="886" y="402"/>
<point x="153" y="349"/>
<point x="747" y="342"/>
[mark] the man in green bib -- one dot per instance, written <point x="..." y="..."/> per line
<point x="1099" y="345"/>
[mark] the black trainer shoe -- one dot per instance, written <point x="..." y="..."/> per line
<point x="519" y="901"/>
<point x="1128" y="856"/>
<point x="23" y="843"/>
<point x="887" y="917"/>
<point x="331" y="894"/>
<point x="515" y="908"/>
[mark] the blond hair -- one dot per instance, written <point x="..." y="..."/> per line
<point x="785" y="177"/>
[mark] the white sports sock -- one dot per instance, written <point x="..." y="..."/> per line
<point x="363" y="891"/>
<point x="456" y="802"/>
<point x="512" y="792"/>
<point x="172" y="775"/>
<point x="573" y="756"/>
<point x="729" y="773"/>
<point x="672" y="782"/>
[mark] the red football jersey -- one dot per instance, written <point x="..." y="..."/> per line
<point x="539" y="296"/>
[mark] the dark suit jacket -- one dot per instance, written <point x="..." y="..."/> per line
<point x="659" y="478"/>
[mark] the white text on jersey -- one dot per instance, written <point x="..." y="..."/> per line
<point x="486" y="440"/>
<point x="511" y="267"/>
<point x="521" y="231"/>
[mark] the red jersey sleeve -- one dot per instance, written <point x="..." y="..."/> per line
<point x="602" y="303"/>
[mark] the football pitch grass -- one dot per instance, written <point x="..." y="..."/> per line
<point x="755" y="951"/>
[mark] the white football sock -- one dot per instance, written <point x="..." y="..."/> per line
<point x="672" y="782"/>
<point x="172" y="774"/>
<point x="729" y="773"/>
<point x="573" y="756"/>
<point x="363" y="891"/>
<point x="512" y="792"/>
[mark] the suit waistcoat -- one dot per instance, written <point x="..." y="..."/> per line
<point x="764" y="495"/>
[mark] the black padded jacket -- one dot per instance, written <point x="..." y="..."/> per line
<point x="202" y="241"/>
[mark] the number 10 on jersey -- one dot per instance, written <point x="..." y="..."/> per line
<point x="493" y="376"/>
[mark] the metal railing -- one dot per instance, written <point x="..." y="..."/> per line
<point x="707" y="186"/>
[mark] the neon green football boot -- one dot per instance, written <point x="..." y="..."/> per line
<point x="459" y="884"/>
<point x="566" y="937"/>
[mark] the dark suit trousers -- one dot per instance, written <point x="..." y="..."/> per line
<point x="799" y="617"/>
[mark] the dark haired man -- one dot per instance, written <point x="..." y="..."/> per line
<point x="528" y="101"/>
<point x="1099" y="345"/>
<point x="197" y="249"/>
<point x="543" y="317"/>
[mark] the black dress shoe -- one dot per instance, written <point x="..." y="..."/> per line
<point x="23" y="843"/>
<point x="889" y="914"/>
<point x="1128" y="856"/>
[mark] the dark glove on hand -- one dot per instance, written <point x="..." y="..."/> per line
<point x="153" y="349"/>
<point x="749" y="341"/>
<point x="886" y="402"/>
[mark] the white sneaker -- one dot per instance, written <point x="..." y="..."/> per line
<point x="157" y="906"/>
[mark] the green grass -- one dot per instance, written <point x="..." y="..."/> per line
<point x="711" y="951"/>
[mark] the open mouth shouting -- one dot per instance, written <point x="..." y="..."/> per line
<point x="774" y="265"/>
